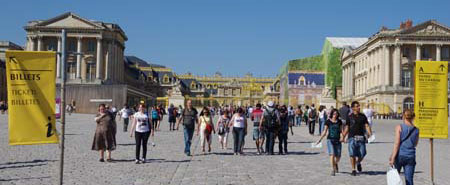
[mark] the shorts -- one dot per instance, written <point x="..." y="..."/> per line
<point x="257" y="134"/>
<point x="356" y="148"/>
<point x="334" y="148"/>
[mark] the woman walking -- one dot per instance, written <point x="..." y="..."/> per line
<point x="239" y="124"/>
<point x="155" y="117"/>
<point x="333" y="127"/>
<point x="404" y="151"/>
<point x="141" y="129"/>
<point x="205" y="128"/>
<point x="223" y="129"/>
<point x="104" y="138"/>
<point x="322" y="117"/>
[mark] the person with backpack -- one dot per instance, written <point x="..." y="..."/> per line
<point x="356" y="126"/>
<point x="258" y="135"/>
<point x="172" y="117"/>
<point x="333" y="127"/>
<point x="312" y="117"/>
<point x="223" y="129"/>
<point x="155" y="117"/>
<point x="291" y="115"/>
<point x="270" y="122"/>
<point x="305" y="115"/>
<point x="188" y="118"/>
<point x="404" y="151"/>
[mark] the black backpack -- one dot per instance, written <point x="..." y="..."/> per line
<point x="271" y="121"/>
<point x="313" y="114"/>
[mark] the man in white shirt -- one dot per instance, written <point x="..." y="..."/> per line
<point x="369" y="114"/>
<point x="125" y="114"/>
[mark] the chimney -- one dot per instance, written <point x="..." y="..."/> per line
<point x="402" y="25"/>
<point x="408" y="24"/>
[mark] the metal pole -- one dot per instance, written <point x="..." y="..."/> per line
<point x="432" y="161"/>
<point x="63" y="103"/>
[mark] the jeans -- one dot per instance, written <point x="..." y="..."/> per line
<point x="238" y="137"/>
<point x="270" y="141"/>
<point x="141" y="139"/>
<point x="321" y="124"/>
<point x="188" y="134"/>
<point x="299" y="120"/>
<point x="356" y="148"/>
<point x="125" y="124"/>
<point x="282" y="140"/>
<point x="409" y="165"/>
<point x="311" y="126"/>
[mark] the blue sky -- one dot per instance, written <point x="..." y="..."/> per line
<point x="230" y="36"/>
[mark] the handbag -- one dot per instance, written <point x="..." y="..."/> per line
<point x="208" y="126"/>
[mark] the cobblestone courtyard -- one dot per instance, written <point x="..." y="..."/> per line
<point x="38" y="164"/>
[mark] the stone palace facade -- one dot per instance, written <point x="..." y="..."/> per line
<point x="381" y="71"/>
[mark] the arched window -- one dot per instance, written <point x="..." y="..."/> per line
<point x="166" y="79"/>
<point x="301" y="80"/>
<point x="408" y="103"/>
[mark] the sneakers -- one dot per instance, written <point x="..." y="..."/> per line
<point x="354" y="173"/>
<point x="102" y="160"/>
<point x="144" y="160"/>
<point x="359" y="167"/>
<point x="137" y="161"/>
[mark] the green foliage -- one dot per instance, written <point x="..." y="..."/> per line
<point x="314" y="63"/>
<point x="334" y="70"/>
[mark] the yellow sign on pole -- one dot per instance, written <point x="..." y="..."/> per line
<point x="430" y="99"/>
<point x="31" y="97"/>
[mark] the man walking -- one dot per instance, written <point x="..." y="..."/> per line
<point x="258" y="134"/>
<point x="125" y="114"/>
<point x="270" y="122"/>
<point x="189" y="118"/>
<point x="312" y="117"/>
<point x="356" y="125"/>
<point x="344" y="111"/>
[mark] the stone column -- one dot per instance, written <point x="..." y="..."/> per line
<point x="418" y="51"/>
<point x="108" y="60"/>
<point x="352" y="74"/>
<point x="396" y="66"/>
<point x="99" y="59"/>
<point x="32" y="44"/>
<point x="39" y="45"/>
<point x="438" y="52"/>
<point x="79" y="47"/>
<point x="58" y="59"/>
<point x="387" y="65"/>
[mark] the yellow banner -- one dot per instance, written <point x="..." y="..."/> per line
<point x="31" y="97"/>
<point x="430" y="99"/>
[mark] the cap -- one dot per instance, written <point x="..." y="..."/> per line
<point x="270" y="103"/>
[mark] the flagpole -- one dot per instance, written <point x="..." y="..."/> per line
<point x="63" y="103"/>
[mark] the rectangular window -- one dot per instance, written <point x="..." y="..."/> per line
<point x="406" y="78"/>
<point x="71" y="70"/>
<point x="72" y="46"/>
<point x="425" y="53"/>
<point x="91" y="46"/>
<point x="445" y="53"/>
<point x="405" y="52"/>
